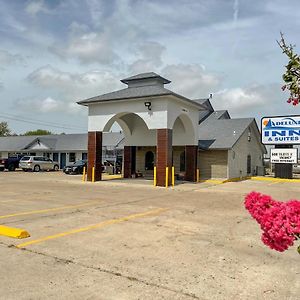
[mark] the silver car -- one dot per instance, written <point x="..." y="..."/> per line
<point x="37" y="163"/>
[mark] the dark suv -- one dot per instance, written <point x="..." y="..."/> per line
<point x="10" y="163"/>
<point x="76" y="167"/>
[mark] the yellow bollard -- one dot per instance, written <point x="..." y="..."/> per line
<point x="167" y="177"/>
<point x="173" y="176"/>
<point x="93" y="174"/>
<point x="83" y="174"/>
<point x="154" y="179"/>
<point x="198" y="175"/>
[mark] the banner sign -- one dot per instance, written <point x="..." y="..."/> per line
<point x="280" y="130"/>
<point x="284" y="155"/>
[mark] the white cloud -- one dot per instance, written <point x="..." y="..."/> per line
<point x="149" y="57"/>
<point x="45" y="105"/>
<point x="36" y="6"/>
<point x="86" y="46"/>
<point x="7" y="58"/>
<point x="96" y="8"/>
<point x="79" y="84"/>
<point x="191" y="80"/>
<point x="49" y="105"/>
<point x="240" y="99"/>
<point x="253" y="101"/>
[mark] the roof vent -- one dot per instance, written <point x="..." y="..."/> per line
<point x="145" y="79"/>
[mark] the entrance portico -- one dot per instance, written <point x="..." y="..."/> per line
<point x="150" y="116"/>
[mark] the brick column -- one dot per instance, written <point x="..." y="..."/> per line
<point x="163" y="155"/>
<point x="94" y="155"/>
<point x="129" y="161"/>
<point x="191" y="153"/>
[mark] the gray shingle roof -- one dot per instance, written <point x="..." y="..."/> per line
<point x="218" y="114"/>
<point x="217" y="133"/>
<point x="134" y="93"/>
<point x="62" y="142"/>
<point x="146" y="76"/>
<point x="205" y="102"/>
<point x="131" y="92"/>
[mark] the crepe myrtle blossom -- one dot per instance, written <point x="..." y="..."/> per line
<point x="279" y="221"/>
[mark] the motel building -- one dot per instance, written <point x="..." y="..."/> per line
<point x="163" y="129"/>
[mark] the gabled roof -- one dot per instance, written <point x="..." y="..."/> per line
<point x="216" y="133"/>
<point x="218" y="115"/>
<point x="61" y="142"/>
<point x="205" y="102"/>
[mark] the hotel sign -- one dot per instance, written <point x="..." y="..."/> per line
<point x="280" y="130"/>
<point x="284" y="156"/>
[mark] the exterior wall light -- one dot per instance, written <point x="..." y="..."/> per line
<point x="148" y="105"/>
<point x="249" y="135"/>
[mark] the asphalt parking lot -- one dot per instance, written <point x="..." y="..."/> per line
<point x="124" y="239"/>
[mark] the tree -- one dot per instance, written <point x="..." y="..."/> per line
<point x="291" y="77"/>
<point x="38" y="132"/>
<point x="4" y="130"/>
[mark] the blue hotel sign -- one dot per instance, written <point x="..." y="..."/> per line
<point x="280" y="130"/>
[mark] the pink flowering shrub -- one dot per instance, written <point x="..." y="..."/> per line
<point x="280" y="221"/>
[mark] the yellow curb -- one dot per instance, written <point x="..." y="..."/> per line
<point x="13" y="232"/>
<point x="220" y="181"/>
<point x="274" y="179"/>
<point x="237" y="179"/>
<point x="109" y="177"/>
<point x="215" y="181"/>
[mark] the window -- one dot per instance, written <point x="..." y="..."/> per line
<point x="72" y="157"/>
<point x="249" y="164"/>
<point x="149" y="160"/>
<point x="182" y="161"/>
<point x="39" y="158"/>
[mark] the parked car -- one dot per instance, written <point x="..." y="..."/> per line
<point x="76" y="167"/>
<point x="37" y="163"/>
<point x="11" y="163"/>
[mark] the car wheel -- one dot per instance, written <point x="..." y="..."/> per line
<point x="11" y="167"/>
<point x="56" y="168"/>
<point x="1" y="169"/>
<point x="36" y="168"/>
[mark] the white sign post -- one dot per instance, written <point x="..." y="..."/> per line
<point x="284" y="155"/>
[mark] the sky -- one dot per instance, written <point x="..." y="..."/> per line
<point x="56" y="52"/>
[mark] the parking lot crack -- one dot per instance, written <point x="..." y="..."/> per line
<point x="110" y="272"/>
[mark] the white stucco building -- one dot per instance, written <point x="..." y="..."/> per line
<point x="165" y="129"/>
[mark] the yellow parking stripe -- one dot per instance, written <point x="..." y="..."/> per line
<point x="32" y="212"/>
<point x="99" y="225"/>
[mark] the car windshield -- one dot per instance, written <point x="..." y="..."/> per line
<point x="79" y="162"/>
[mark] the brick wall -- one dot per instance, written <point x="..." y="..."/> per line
<point x="94" y="154"/>
<point x="163" y="155"/>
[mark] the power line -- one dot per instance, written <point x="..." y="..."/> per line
<point x="37" y="122"/>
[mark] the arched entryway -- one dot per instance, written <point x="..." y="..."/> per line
<point x="150" y="117"/>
